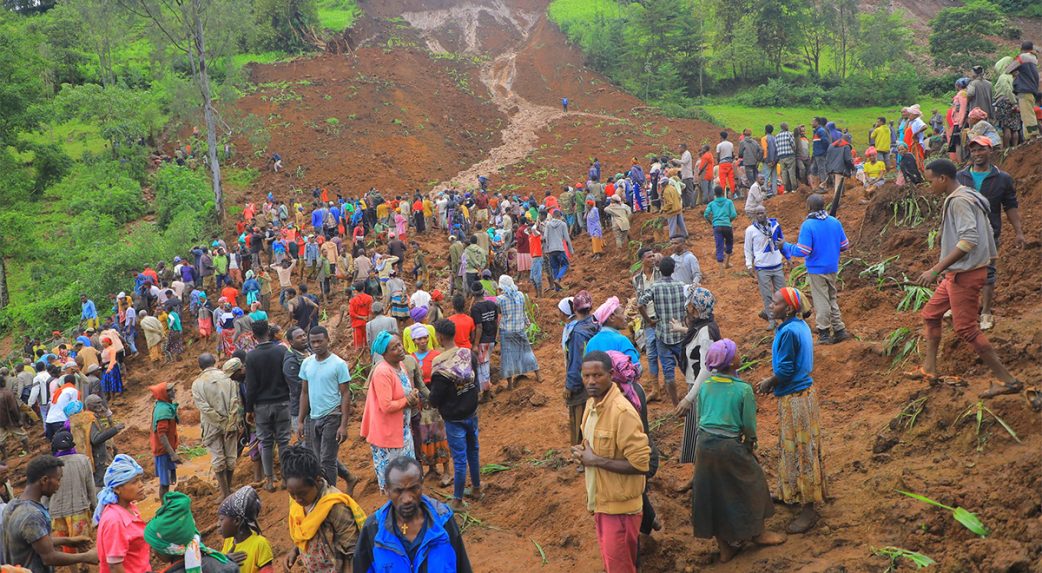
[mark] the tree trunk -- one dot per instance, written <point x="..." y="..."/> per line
<point x="4" y="297"/>
<point x="211" y="127"/>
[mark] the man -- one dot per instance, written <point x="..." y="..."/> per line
<point x="725" y="159"/>
<point x="556" y="239"/>
<point x="267" y="397"/>
<point x="154" y="333"/>
<point x="475" y="258"/>
<point x="820" y="143"/>
<point x="410" y="519"/>
<point x="997" y="187"/>
<point x="620" y="221"/>
<point x="1025" y="86"/>
<point x="534" y="232"/>
<point x="978" y="94"/>
<point x="10" y="418"/>
<point x="129" y="330"/>
<point x="669" y="299"/>
<point x="456" y="249"/>
<point x="615" y="461"/>
<point x="785" y="144"/>
<point x="302" y="309"/>
<point x="881" y="139"/>
<point x="325" y="404"/>
<point x="88" y="312"/>
<point x="705" y="176"/>
<point x="296" y="353"/>
<point x="839" y="161"/>
<point x="750" y="153"/>
<point x="770" y="159"/>
<point x="672" y="208"/>
<point x="821" y="241"/>
<point x="687" y="270"/>
<point x="27" y="539"/>
<point x="575" y="340"/>
<point x="687" y="176"/>
<point x="756" y="197"/>
<point x="763" y="257"/>
<point x="285" y="273"/>
<point x="642" y="281"/>
<point x="376" y="325"/>
<point x="967" y="248"/>
<point x="216" y="396"/>
<point x="936" y="123"/>
<point x="485" y="316"/>
<point x="720" y="213"/>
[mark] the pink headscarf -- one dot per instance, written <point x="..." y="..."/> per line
<point x="605" y="310"/>
<point x="624" y="372"/>
<point x="978" y="114"/>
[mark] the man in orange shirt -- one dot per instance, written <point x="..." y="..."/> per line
<point x="464" y="323"/>
<point x="705" y="176"/>
<point x="360" y="307"/>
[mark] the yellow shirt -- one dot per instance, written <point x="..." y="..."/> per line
<point x="875" y="169"/>
<point x="428" y="208"/>
<point x="382" y="210"/>
<point x="257" y="550"/>
<point x="881" y="135"/>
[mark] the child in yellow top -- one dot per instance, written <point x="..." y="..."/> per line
<point x="243" y="542"/>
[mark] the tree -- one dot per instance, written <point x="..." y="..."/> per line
<point x="284" y="24"/>
<point x="959" y="36"/>
<point x="845" y="23"/>
<point x="777" y="28"/>
<point x="816" y="34"/>
<point x="124" y="115"/>
<point x="104" y="23"/>
<point x="22" y="72"/>
<point x="883" y="39"/>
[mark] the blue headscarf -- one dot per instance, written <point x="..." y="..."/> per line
<point x="72" y="408"/>
<point x="381" y="342"/>
<point x="123" y="469"/>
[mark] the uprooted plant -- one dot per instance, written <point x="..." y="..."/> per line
<point x="897" y="554"/>
<point x="968" y="520"/>
<point x="978" y="411"/>
<point x="900" y="344"/>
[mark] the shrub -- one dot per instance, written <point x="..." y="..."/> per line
<point x="181" y="190"/>
<point x="102" y="188"/>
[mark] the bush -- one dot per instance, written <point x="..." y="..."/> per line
<point x="779" y="93"/>
<point x="181" y="190"/>
<point x="102" y="188"/>
<point x="900" y="87"/>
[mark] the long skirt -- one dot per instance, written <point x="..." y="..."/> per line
<point x="175" y="344"/>
<point x="524" y="262"/>
<point x="434" y="444"/>
<point x="383" y="456"/>
<point x="246" y="342"/>
<point x="801" y="468"/>
<point x="688" y="441"/>
<point x="112" y="381"/>
<point x="76" y="525"/>
<point x="515" y="354"/>
<point x="730" y="498"/>
<point x="226" y="343"/>
<point x="399" y="306"/>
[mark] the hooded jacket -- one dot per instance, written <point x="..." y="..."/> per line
<point x="441" y="550"/>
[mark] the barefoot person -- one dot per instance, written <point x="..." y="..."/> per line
<point x="967" y="248"/>
<point x="730" y="499"/>
<point x="801" y="467"/>
<point x="616" y="457"/>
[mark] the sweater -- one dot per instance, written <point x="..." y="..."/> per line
<point x="727" y="406"/>
<point x="998" y="189"/>
<point x="455" y="402"/>
<point x="265" y="383"/>
<point x="965" y="226"/>
<point x="618" y="435"/>
<point x="792" y="357"/>
<point x="720" y="212"/>
<point x="555" y="236"/>
<point x="383" y="420"/>
<point x="820" y="241"/>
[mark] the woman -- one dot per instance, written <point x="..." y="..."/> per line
<point x="801" y="468"/>
<point x="1007" y="112"/>
<point x="72" y="505"/>
<point x="388" y="406"/>
<point x="958" y="118"/>
<point x="243" y="328"/>
<point x="610" y="316"/>
<point x="702" y="331"/>
<point x="913" y="135"/>
<point x="204" y="317"/>
<point x="112" y="380"/>
<point x="730" y="499"/>
<point x="593" y="227"/>
<point x="251" y="288"/>
<point x="175" y="344"/>
<point x="121" y="531"/>
<point x="435" y="312"/>
<point x="243" y="542"/>
<point x="434" y="445"/>
<point x="225" y="319"/>
<point x="524" y="252"/>
<point x="417" y="315"/>
<point x="979" y="126"/>
<point x="399" y="302"/>
<point x="516" y="356"/>
<point x="401" y="225"/>
<point x="174" y="538"/>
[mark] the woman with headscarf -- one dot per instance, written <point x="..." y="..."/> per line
<point x="980" y="127"/>
<point x="154" y="333"/>
<point x="801" y="467"/>
<point x="434" y="311"/>
<point x="915" y="134"/>
<point x="121" y="531"/>
<point x="242" y="325"/>
<point x="396" y="295"/>
<point x="388" y="406"/>
<point x="174" y="538"/>
<point x="610" y="316"/>
<point x="418" y="316"/>
<point x="433" y="443"/>
<point x="958" y="112"/>
<point x="730" y="498"/>
<point x="593" y="227"/>
<point x="701" y="332"/>
<point x="224" y="318"/>
<point x="515" y="350"/>
<point x="243" y="542"/>
<point x="175" y="344"/>
<point x="251" y="288"/>
<point x="112" y="379"/>
<point x="72" y="505"/>
<point x="1007" y="112"/>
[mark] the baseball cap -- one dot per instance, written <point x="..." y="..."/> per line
<point x="982" y="140"/>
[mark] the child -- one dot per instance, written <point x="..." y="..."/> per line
<point x="243" y="542"/>
<point x="164" y="435"/>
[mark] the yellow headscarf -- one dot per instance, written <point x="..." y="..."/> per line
<point x="302" y="528"/>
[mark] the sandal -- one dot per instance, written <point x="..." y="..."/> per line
<point x="919" y="374"/>
<point x="1034" y="397"/>
<point x="1001" y="389"/>
<point x="446" y="480"/>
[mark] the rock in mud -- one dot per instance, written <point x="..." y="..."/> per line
<point x="538" y="400"/>
<point x="884" y="444"/>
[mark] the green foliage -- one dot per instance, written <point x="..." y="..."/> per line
<point x="123" y="114"/>
<point x="180" y="190"/>
<point x="103" y="188"/>
<point x="49" y="163"/>
<point x="959" y="35"/>
<point x="968" y="520"/>
<point x="914" y="299"/>
<point x="282" y="24"/>
<point x="884" y="40"/>
<point x="896" y="555"/>
<point x="21" y="78"/>
<point x="1029" y="8"/>
<point x="337" y="15"/>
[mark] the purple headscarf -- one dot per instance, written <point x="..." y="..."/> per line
<point x="721" y="354"/>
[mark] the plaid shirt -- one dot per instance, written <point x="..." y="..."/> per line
<point x="670" y="301"/>
<point x="642" y="285"/>
<point x="513" y="318"/>
<point x="785" y="143"/>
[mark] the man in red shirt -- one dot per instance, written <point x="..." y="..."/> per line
<point x="464" y="323"/>
<point x="550" y="202"/>
<point x="705" y="170"/>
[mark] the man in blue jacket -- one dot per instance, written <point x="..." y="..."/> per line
<point x="821" y="241"/>
<point x="411" y="533"/>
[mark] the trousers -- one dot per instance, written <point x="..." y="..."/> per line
<point x="462" y="436"/>
<point x="824" y="295"/>
<point x="273" y="426"/>
<point x="770" y="281"/>
<point x="617" y="538"/>
<point x="959" y="292"/>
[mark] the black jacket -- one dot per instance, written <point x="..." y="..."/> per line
<point x="265" y="382"/>
<point x="455" y="401"/>
<point x="998" y="188"/>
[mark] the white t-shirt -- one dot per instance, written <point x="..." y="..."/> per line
<point x="420" y="298"/>
<point x="685" y="165"/>
<point x="725" y="151"/>
<point x="56" y="413"/>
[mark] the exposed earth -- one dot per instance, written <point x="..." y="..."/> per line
<point x="437" y="92"/>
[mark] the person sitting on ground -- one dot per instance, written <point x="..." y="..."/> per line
<point x="324" y="523"/>
<point x="411" y="531"/>
<point x="243" y="542"/>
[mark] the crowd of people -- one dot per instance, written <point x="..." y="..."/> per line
<point x="270" y="383"/>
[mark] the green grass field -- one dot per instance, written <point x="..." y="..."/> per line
<point x="337" y="15"/>
<point x="858" y="120"/>
<point x="74" y="137"/>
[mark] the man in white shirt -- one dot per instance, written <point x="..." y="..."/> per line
<point x="687" y="176"/>
<point x="763" y="257"/>
<point x="56" y="417"/>
<point x="756" y="196"/>
<point x="420" y="297"/>
<point x="725" y="162"/>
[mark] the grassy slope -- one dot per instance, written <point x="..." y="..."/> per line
<point x="337" y="15"/>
